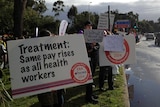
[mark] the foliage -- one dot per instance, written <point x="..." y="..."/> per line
<point x="30" y="3"/>
<point x="39" y="6"/>
<point x="80" y="19"/>
<point x="58" y="7"/>
<point x="5" y="97"/>
<point x="72" y="13"/>
<point x="32" y="20"/>
<point x="33" y="17"/>
<point x="6" y="21"/>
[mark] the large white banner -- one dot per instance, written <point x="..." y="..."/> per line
<point x="128" y="56"/>
<point x="45" y="64"/>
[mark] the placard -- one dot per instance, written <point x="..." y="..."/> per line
<point x="93" y="35"/>
<point x="45" y="64"/>
<point x="113" y="43"/>
<point x="103" y="21"/>
<point x="128" y="56"/>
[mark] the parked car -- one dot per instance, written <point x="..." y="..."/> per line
<point x="150" y="36"/>
<point x="157" y="39"/>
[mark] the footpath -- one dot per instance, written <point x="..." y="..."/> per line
<point x="126" y="93"/>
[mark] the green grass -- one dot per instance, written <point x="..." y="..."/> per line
<point x="75" y="96"/>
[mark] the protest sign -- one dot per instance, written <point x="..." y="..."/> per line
<point x="45" y="64"/>
<point x="128" y="56"/>
<point x="93" y="35"/>
<point x="113" y="43"/>
<point x="103" y="22"/>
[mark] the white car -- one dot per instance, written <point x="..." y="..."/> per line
<point x="149" y="36"/>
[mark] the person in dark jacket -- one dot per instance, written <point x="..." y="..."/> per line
<point x="48" y="99"/>
<point x="90" y="98"/>
<point x="106" y="73"/>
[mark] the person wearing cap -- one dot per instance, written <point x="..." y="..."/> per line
<point x="90" y="98"/>
<point x="94" y="54"/>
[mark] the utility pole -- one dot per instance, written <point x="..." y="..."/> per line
<point x="89" y="11"/>
<point x="109" y="18"/>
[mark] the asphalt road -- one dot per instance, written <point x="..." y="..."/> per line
<point x="144" y="79"/>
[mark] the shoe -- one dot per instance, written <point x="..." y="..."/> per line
<point x="95" y="96"/>
<point x="110" y="88"/>
<point x="93" y="85"/>
<point x="106" y="81"/>
<point x="92" y="100"/>
<point x="102" y="89"/>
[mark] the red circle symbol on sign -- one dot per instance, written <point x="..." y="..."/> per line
<point x="118" y="57"/>
<point x="80" y="72"/>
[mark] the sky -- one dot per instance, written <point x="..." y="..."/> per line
<point x="147" y="9"/>
<point x="93" y="2"/>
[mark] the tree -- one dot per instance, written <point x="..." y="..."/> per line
<point x="19" y="7"/>
<point x="31" y="20"/>
<point x="30" y="3"/>
<point x="72" y="13"/>
<point x="58" y="7"/>
<point x="6" y="18"/>
<point x="158" y="20"/>
<point x="40" y="6"/>
<point x="80" y="19"/>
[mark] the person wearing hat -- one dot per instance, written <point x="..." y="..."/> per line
<point x="94" y="54"/>
<point x="90" y="98"/>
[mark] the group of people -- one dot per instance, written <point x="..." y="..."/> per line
<point x="3" y="51"/>
<point x="104" y="73"/>
<point x="57" y="97"/>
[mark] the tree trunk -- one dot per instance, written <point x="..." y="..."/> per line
<point x="19" y="7"/>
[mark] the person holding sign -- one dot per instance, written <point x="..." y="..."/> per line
<point x="106" y="71"/>
<point x="90" y="98"/>
<point x="54" y="98"/>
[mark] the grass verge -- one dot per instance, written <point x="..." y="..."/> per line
<point x="75" y="96"/>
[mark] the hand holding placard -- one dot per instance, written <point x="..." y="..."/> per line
<point x="113" y="43"/>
